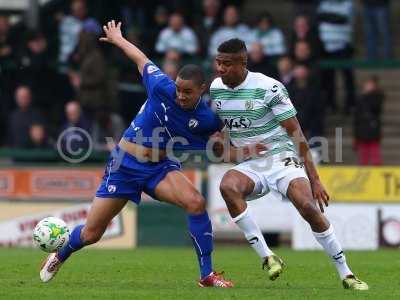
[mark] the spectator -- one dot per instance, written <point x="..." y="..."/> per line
<point x="213" y="72"/>
<point x="128" y="71"/>
<point x="75" y="117"/>
<point x="258" y="62"/>
<point x="22" y="118"/>
<point x="367" y="123"/>
<point x="285" y="70"/>
<point x="302" y="53"/>
<point x="161" y="17"/>
<point x="107" y="125"/>
<point x="35" y="69"/>
<point x="173" y="55"/>
<point x="306" y="98"/>
<point x="75" y="132"/>
<point x="177" y="36"/>
<point x="377" y="24"/>
<point x="7" y="74"/>
<point x="335" y="30"/>
<point x="128" y="79"/>
<point x="91" y="79"/>
<point x="305" y="7"/>
<point x="6" y="44"/>
<point x="270" y="36"/>
<point x="171" y="68"/>
<point x="38" y="138"/>
<point x="8" y="49"/>
<point x="208" y="22"/>
<point x="231" y="28"/>
<point x="71" y="26"/>
<point x="133" y="14"/>
<point x="302" y="31"/>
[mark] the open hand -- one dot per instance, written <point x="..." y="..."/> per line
<point x="254" y="150"/>
<point x="113" y="32"/>
<point x="320" y="194"/>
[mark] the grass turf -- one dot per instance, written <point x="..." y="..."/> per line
<point x="171" y="273"/>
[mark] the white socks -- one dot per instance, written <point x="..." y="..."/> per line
<point x="327" y="240"/>
<point x="252" y="233"/>
<point x="331" y="245"/>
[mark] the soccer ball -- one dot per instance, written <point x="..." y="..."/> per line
<point x="51" y="234"/>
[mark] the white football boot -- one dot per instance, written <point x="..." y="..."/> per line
<point x="50" y="267"/>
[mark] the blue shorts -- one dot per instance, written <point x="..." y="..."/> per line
<point x="128" y="178"/>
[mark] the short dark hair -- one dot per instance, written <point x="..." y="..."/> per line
<point x="192" y="72"/>
<point x="375" y="78"/>
<point x="232" y="46"/>
<point x="266" y="16"/>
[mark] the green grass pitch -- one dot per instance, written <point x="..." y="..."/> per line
<point x="171" y="273"/>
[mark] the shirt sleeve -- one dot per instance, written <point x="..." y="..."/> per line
<point x="154" y="80"/>
<point x="277" y="99"/>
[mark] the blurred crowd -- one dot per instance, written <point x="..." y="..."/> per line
<point x="60" y="76"/>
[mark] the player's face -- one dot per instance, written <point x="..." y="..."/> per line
<point x="188" y="93"/>
<point x="231" y="67"/>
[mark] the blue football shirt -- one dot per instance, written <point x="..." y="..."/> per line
<point x="161" y="122"/>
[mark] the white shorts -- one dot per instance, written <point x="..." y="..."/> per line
<point x="274" y="173"/>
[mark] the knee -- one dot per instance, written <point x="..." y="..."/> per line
<point x="91" y="235"/>
<point x="308" y="210"/>
<point x="229" y="189"/>
<point x="196" y="204"/>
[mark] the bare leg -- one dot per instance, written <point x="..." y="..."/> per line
<point x="103" y="210"/>
<point x="101" y="213"/>
<point x="176" y="189"/>
<point x="299" y="192"/>
<point x="235" y="187"/>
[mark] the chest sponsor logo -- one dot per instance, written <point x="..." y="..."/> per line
<point x="238" y="122"/>
<point x="193" y="123"/>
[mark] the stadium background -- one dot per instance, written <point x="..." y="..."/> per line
<point x="54" y="75"/>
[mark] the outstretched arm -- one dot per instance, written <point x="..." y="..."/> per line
<point x="293" y="129"/>
<point x="114" y="36"/>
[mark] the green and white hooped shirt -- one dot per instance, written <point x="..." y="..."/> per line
<point x="252" y="111"/>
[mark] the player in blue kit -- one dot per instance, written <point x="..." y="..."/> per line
<point x="140" y="162"/>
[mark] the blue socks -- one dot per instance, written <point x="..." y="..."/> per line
<point x="201" y="233"/>
<point x="75" y="243"/>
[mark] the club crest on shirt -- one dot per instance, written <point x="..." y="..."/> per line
<point x="111" y="188"/>
<point x="193" y="123"/>
<point x="249" y="105"/>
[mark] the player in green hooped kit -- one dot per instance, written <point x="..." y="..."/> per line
<point x="256" y="109"/>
